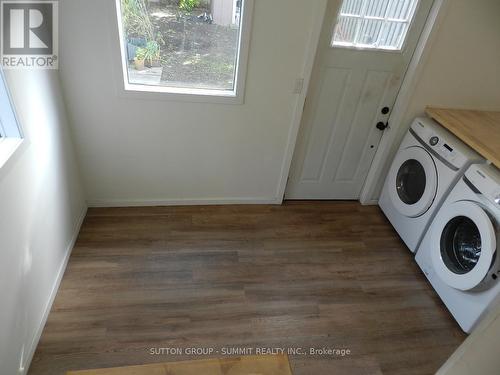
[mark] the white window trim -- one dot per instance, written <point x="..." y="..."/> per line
<point x="8" y="147"/>
<point x="236" y="96"/>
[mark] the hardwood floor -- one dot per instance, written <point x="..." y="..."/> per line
<point x="301" y="275"/>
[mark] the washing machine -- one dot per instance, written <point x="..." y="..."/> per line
<point x="460" y="252"/>
<point x="428" y="164"/>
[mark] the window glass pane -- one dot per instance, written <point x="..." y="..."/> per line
<point x="8" y="122"/>
<point x="351" y="7"/>
<point x="378" y="24"/>
<point x="190" y="44"/>
<point x="376" y="8"/>
<point x="345" y="31"/>
<point x="392" y="36"/>
<point x="370" y="30"/>
<point x="400" y="9"/>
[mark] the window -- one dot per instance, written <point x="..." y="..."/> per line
<point x="8" y="123"/>
<point x="377" y="24"/>
<point x="10" y="134"/>
<point x="194" y="47"/>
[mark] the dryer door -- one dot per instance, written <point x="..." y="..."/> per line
<point x="412" y="181"/>
<point x="463" y="241"/>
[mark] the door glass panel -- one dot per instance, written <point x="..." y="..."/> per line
<point x="376" y="8"/>
<point x="460" y="245"/>
<point x="352" y="7"/>
<point x="411" y="181"/>
<point x="370" y="30"/>
<point x="375" y="24"/>
<point x="391" y="38"/>
<point x="346" y="29"/>
<point x="400" y="10"/>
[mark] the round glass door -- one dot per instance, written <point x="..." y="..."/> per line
<point x="463" y="244"/>
<point x="460" y="245"/>
<point x="410" y="181"/>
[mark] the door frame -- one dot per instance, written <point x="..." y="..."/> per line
<point x="381" y="159"/>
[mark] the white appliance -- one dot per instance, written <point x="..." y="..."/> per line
<point x="459" y="254"/>
<point x="428" y="164"/>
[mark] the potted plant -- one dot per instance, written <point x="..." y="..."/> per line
<point x="140" y="57"/>
<point x="152" y="54"/>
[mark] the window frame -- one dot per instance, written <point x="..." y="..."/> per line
<point x="235" y="96"/>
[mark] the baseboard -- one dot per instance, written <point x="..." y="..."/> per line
<point x="53" y="293"/>
<point x="179" y="202"/>
<point x="371" y="202"/>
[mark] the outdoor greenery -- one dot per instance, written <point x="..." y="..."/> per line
<point x="136" y="19"/>
<point x="188" y="5"/>
<point x="152" y="52"/>
<point x="137" y="23"/>
<point x="140" y="54"/>
<point x="175" y="35"/>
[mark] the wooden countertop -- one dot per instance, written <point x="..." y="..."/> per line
<point x="479" y="129"/>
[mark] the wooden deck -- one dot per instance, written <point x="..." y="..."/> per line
<point x="302" y="275"/>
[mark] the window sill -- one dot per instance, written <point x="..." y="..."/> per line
<point x="138" y="91"/>
<point x="8" y="147"/>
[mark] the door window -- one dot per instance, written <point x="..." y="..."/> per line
<point x="460" y="245"/>
<point x="375" y="24"/>
<point x="410" y="181"/>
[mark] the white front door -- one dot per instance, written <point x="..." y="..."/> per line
<point x="365" y="48"/>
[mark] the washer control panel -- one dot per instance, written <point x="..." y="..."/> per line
<point x="426" y="130"/>
<point x="486" y="179"/>
<point x="434" y="141"/>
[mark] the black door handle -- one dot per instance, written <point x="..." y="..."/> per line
<point x="382" y="125"/>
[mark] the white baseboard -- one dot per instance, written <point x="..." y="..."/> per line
<point x="179" y="202"/>
<point x="371" y="202"/>
<point x="31" y="350"/>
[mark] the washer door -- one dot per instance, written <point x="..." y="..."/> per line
<point x="463" y="245"/>
<point x="413" y="181"/>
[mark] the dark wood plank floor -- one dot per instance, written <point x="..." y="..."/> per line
<point x="304" y="274"/>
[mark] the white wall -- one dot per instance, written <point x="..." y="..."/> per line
<point x="478" y="354"/>
<point x="41" y="205"/>
<point x="136" y="151"/>
<point x="462" y="68"/>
